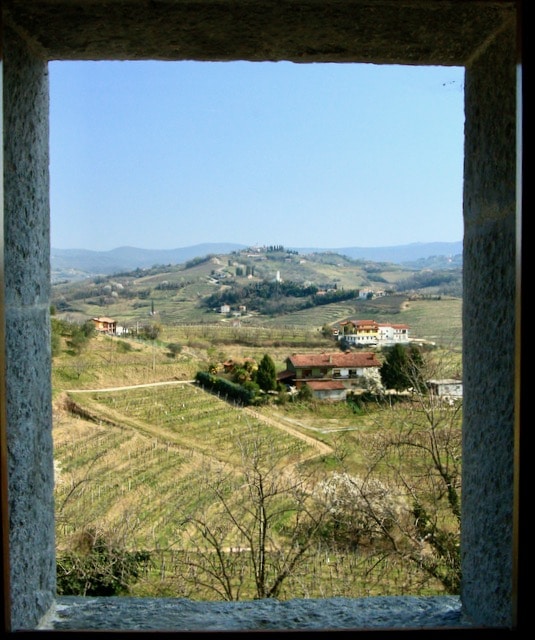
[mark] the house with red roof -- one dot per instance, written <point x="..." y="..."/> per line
<point x="105" y="325"/>
<point x="332" y="375"/>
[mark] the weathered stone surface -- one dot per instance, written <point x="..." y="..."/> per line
<point x="385" y="32"/>
<point x="476" y="34"/>
<point x="169" y="614"/>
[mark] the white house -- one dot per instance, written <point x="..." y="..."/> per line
<point x="393" y="333"/>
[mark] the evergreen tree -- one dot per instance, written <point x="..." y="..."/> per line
<point x="266" y="374"/>
<point x="402" y="369"/>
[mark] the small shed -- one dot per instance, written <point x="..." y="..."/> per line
<point x="327" y="389"/>
<point x="446" y="388"/>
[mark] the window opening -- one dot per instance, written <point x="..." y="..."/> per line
<point x="291" y="190"/>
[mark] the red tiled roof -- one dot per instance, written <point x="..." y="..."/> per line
<point x="349" y="359"/>
<point x="325" y="385"/>
<point x="394" y="326"/>
<point x="361" y="323"/>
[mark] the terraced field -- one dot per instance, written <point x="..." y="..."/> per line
<point x="136" y="455"/>
<point x="136" y="443"/>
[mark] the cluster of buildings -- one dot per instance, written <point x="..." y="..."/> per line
<point x="331" y="376"/>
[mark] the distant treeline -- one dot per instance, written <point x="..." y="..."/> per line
<point x="277" y="297"/>
<point x="447" y="282"/>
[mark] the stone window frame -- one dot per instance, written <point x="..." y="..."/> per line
<point x="35" y="34"/>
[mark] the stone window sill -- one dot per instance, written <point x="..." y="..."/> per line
<point x="177" y="614"/>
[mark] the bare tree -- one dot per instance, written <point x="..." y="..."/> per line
<point x="260" y="526"/>
<point x="407" y="502"/>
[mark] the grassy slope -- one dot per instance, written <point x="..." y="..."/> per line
<point x="171" y="430"/>
<point x="133" y="462"/>
<point x="140" y="457"/>
<point x="129" y="298"/>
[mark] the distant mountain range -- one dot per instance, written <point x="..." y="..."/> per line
<point x="81" y="263"/>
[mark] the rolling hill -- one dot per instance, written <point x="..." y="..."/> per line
<point x="274" y="288"/>
<point x="75" y="264"/>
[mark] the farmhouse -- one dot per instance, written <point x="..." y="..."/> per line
<point x="105" y="325"/>
<point x="372" y="333"/>
<point x="332" y="375"/>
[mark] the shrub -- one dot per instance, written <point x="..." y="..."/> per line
<point x="98" y="566"/>
<point x="359" y="509"/>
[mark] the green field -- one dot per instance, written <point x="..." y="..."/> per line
<point x="138" y="453"/>
<point x="131" y="459"/>
<point x="136" y="461"/>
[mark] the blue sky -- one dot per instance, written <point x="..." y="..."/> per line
<point x="162" y="155"/>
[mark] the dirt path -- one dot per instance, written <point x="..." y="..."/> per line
<point x="130" y="386"/>
<point x="323" y="448"/>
